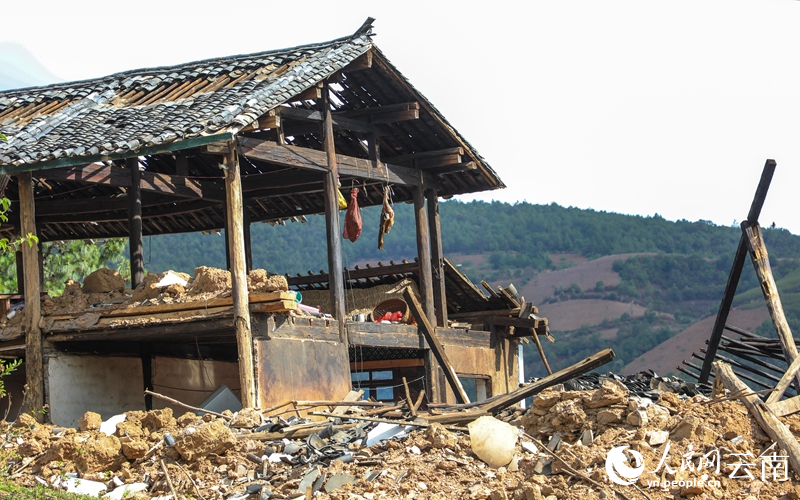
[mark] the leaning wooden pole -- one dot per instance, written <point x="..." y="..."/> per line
<point x="760" y="258"/>
<point x="332" y="225"/>
<point x="736" y="271"/>
<point x="241" y="310"/>
<point x="135" y="222"/>
<point x="34" y="368"/>
<point x="767" y="420"/>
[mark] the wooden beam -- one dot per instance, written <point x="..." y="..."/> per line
<point x="380" y="110"/>
<point x="767" y="420"/>
<point x="112" y="175"/>
<point x="424" y="154"/>
<point x="526" y="311"/>
<point x="437" y="259"/>
<point x="135" y="223"/>
<point x="70" y="161"/>
<point x="436" y="348"/>
<point x="332" y="225"/>
<point x="355" y="274"/>
<point x="497" y="404"/>
<point x="532" y="323"/>
<point x="736" y="271"/>
<point x="34" y="368"/>
<point x="310" y="159"/>
<point x="452" y="167"/>
<point x="241" y="310"/>
<point x="785" y="407"/>
<point x="760" y="258"/>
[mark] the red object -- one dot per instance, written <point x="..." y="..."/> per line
<point x="352" y="219"/>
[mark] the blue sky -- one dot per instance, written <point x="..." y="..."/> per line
<point x="636" y="107"/>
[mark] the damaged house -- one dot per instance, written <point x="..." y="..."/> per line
<point x="221" y="144"/>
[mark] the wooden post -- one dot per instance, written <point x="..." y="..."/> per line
<point x="332" y="225"/>
<point x="34" y="369"/>
<point x="437" y="259"/>
<point x="758" y="253"/>
<point x="241" y="309"/>
<point x="736" y="272"/>
<point x="424" y="255"/>
<point x="135" y="223"/>
<point x="248" y="250"/>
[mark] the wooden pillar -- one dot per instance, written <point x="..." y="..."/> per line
<point x="241" y="303"/>
<point x="135" y="223"/>
<point x="248" y="251"/>
<point x="437" y="259"/>
<point x="332" y="226"/>
<point x="424" y="254"/>
<point x="426" y="289"/>
<point x="34" y="369"/>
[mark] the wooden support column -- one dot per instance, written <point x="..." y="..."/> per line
<point x="332" y="225"/>
<point x="34" y="368"/>
<point x="437" y="259"/>
<point x="248" y="250"/>
<point x="424" y="254"/>
<point x="135" y="222"/>
<point x="241" y="309"/>
<point x="736" y="272"/>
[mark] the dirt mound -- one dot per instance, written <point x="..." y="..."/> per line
<point x="259" y="281"/>
<point x="210" y="279"/>
<point x="104" y="280"/>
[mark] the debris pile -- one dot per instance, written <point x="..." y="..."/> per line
<point x="558" y="449"/>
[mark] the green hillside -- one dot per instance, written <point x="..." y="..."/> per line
<point x="679" y="282"/>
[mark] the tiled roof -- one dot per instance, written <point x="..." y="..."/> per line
<point x="151" y="107"/>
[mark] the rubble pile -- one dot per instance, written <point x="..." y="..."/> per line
<point x="558" y="449"/>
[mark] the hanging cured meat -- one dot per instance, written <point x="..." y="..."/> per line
<point x="387" y="218"/>
<point x="352" y="219"/>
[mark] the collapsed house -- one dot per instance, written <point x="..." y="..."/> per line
<point x="221" y="144"/>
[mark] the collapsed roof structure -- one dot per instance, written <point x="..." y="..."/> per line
<point x="223" y="143"/>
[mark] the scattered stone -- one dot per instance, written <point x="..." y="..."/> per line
<point x="610" y="392"/>
<point x="637" y="418"/>
<point x="90" y="421"/>
<point x="657" y="438"/>
<point x="99" y="453"/>
<point x="610" y="416"/>
<point x="546" y="399"/>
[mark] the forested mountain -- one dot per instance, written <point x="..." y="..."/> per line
<point x="513" y="237"/>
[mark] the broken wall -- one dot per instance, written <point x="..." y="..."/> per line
<point x="105" y="385"/>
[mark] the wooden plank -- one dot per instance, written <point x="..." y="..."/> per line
<point x="356" y="274"/>
<point x="241" y="310"/>
<point x="332" y="225"/>
<point x="254" y="298"/>
<point x="785" y="407"/>
<point x="783" y="383"/>
<point x="351" y="397"/>
<point x="437" y="259"/>
<point x="34" y="368"/>
<point x="386" y="364"/>
<point x="377" y="110"/>
<point x="760" y="258"/>
<point x="532" y="323"/>
<point x="436" y="348"/>
<point x="310" y="159"/>
<point x="767" y="420"/>
<point x="736" y="271"/>
<point x="525" y="313"/>
<point x="135" y="222"/>
<point x="497" y="404"/>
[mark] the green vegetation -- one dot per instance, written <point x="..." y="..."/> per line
<point x="39" y="492"/>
